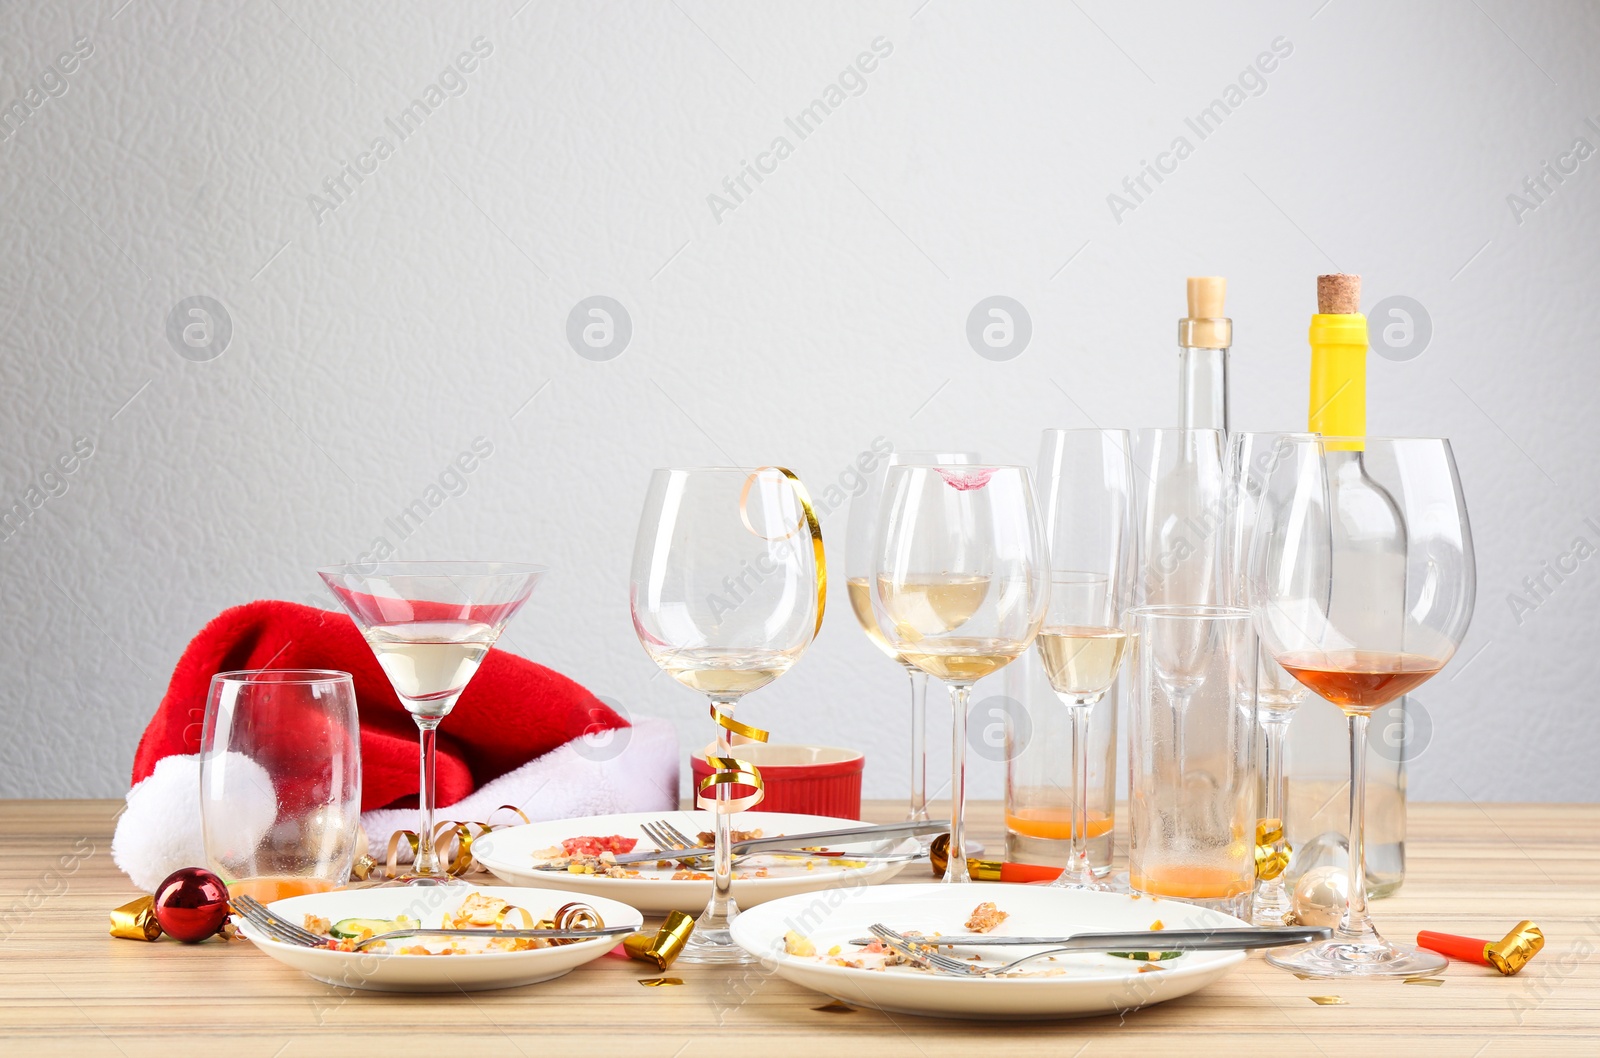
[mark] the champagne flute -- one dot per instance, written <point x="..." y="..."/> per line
<point x="726" y="594"/>
<point x="1359" y="632"/>
<point x="959" y="589"/>
<point x="430" y="624"/>
<point x="1251" y="459"/>
<point x="858" y="580"/>
<point x="1087" y="482"/>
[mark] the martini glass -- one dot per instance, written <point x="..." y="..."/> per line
<point x="430" y="624"/>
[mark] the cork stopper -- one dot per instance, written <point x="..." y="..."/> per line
<point x="1207" y="325"/>
<point x="1338" y="294"/>
<point x="1206" y="294"/>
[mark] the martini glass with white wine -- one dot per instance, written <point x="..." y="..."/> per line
<point x="430" y="625"/>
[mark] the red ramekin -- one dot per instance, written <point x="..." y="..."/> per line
<point x="805" y="780"/>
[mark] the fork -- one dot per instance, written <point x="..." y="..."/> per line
<point x="1165" y="940"/>
<point x="669" y="838"/>
<point x="281" y="929"/>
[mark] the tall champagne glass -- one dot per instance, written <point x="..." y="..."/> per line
<point x="960" y="585"/>
<point x="726" y="593"/>
<point x="1086" y="481"/>
<point x="1358" y="631"/>
<point x="858" y="579"/>
<point x="430" y="624"/>
<point x="1251" y="459"/>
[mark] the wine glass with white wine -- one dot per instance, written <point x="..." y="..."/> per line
<point x="858" y="579"/>
<point x="1087" y="481"/>
<point x="960" y="585"/>
<point x="726" y="594"/>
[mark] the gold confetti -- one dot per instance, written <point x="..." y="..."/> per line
<point x="1327" y="1001"/>
<point x="657" y="982"/>
<point x="836" y="1007"/>
<point x="1432" y="981"/>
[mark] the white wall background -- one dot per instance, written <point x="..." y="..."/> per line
<point x="372" y="345"/>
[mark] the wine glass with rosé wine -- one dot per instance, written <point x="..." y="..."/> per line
<point x="1361" y="603"/>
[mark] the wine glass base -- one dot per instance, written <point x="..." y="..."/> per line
<point x="714" y="946"/>
<point x="1360" y="957"/>
<point x="1272" y="910"/>
<point x="417" y="881"/>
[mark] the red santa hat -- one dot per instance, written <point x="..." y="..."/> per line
<point x="519" y="728"/>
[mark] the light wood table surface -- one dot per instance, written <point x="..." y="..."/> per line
<point x="67" y="987"/>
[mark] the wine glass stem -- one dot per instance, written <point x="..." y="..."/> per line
<point x="720" y="910"/>
<point x="424" y="862"/>
<point x="1355" y="922"/>
<point x="919" y="744"/>
<point x="956" y="869"/>
<point x="1275" y="726"/>
<point x="1079" y="871"/>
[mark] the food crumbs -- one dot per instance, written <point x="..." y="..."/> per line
<point x="795" y="944"/>
<point x="657" y="982"/>
<point x="835" y="950"/>
<point x="1327" y="1001"/>
<point x="1158" y="924"/>
<point x="1434" y="982"/>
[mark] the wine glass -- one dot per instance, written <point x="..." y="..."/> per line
<point x="959" y="589"/>
<point x="1251" y="459"/>
<point x="858" y="580"/>
<point x="1361" y="602"/>
<point x="726" y="594"/>
<point x="430" y="624"/>
<point x="1087" y="482"/>
<point x="1181" y="535"/>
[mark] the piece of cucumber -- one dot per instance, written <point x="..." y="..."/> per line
<point x="356" y="928"/>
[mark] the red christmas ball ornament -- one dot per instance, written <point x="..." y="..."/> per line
<point x="191" y="904"/>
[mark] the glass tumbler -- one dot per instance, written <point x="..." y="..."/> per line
<point x="280" y="780"/>
<point x="1193" y="788"/>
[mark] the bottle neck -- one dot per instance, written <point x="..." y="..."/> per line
<point x="1338" y="406"/>
<point x="1203" y="388"/>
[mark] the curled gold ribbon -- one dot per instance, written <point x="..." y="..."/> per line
<point x="1272" y="850"/>
<point x="462" y="834"/>
<point x="730" y="770"/>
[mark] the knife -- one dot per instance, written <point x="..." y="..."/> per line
<point x="789" y="841"/>
<point x="1137" y="940"/>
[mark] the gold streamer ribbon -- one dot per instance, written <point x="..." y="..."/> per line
<point x="1272" y="850"/>
<point x="459" y="833"/>
<point x="730" y="770"/>
<point x="136" y="920"/>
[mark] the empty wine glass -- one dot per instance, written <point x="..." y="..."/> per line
<point x="1361" y="602"/>
<point x="726" y="594"/>
<point x="1086" y="478"/>
<point x="959" y="589"/>
<point x="858" y="580"/>
<point x="1182" y="531"/>
<point x="1251" y="459"/>
<point x="430" y="624"/>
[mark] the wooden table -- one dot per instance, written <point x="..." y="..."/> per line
<point x="67" y="987"/>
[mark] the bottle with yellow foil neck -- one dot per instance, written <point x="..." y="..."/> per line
<point x="1317" y="822"/>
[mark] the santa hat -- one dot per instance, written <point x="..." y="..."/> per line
<point x="521" y="734"/>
